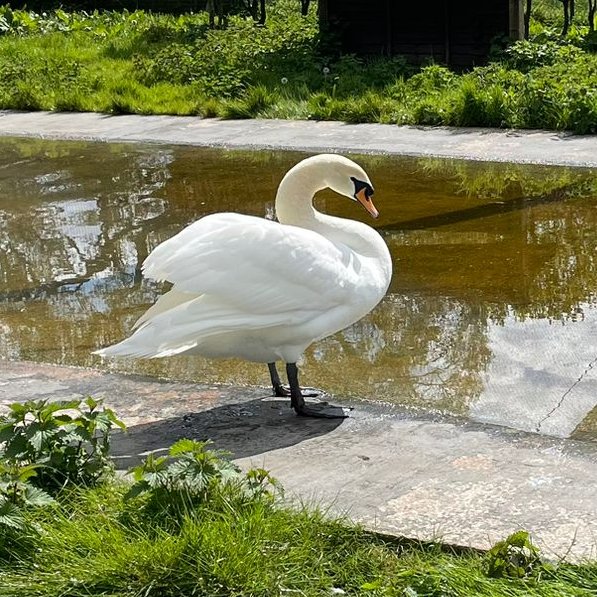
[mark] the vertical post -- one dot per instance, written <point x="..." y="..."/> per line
<point x="516" y="19"/>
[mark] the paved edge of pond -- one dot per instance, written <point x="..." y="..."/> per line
<point x="538" y="147"/>
<point x="396" y="472"/>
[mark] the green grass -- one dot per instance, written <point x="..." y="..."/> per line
<point x="159" y="64"/>
<point x="95" y="543"/>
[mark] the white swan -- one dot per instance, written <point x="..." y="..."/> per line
<point x="264" y="291"/>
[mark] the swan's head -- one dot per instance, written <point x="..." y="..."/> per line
<point x="347" y="178"/>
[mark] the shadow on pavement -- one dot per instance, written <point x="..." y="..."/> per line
<point x="244" y="429"/>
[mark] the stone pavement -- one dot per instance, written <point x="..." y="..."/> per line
<point x="539" y="147"/>
<point x="396" y="472"/>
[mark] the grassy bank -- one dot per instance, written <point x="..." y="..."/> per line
<point x="159" y="64"/>
<point x="191" y="523"/>
<point x="94" y="542"/>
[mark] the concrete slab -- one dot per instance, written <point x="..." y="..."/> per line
<point x="539" y="147"/>
<point x="393" y="471"/>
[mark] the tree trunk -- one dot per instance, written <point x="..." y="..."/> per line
<point x="591" y="15"/>
<point x="305" y="7"/>
<point x="262" y="13"/>
<point x="527" y="18"/>
<point x="566" y="4"/>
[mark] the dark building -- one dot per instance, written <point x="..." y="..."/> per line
<point x="454" y="32"/>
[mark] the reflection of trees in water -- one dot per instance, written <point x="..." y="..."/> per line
<point x="504" y="181"/>
<point x="569" y="277"/>
<point x="534" y="250"/>
<point x="70" y="216"/>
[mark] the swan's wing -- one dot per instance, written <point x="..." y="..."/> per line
<point x="256" y="265"/>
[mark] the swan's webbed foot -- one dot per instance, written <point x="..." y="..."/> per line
<point x="320" y="410"/>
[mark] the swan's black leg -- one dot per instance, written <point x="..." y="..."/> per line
<point x="322" y="410"/>
<point x="279" y="389"/>
<point x="282" y="391"/>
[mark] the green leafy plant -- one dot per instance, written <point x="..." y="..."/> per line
<point x="17" y="492"/>
<point x="64" y="441"/>
<point x="149" y="63"/>
<point x="192" y="474"/>
<point x="514" y="557"/>
<point x="19" y="498"/>
<point x="525" y="55"/>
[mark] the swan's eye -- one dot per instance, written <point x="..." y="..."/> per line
<point x="361" y="187"/>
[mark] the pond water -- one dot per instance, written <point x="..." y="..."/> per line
<point x="491" y="314"/>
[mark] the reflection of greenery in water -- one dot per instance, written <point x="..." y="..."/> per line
<point x="534" y="228"/>
<point x="472" y="244"/>
<point x="497" y="180"/>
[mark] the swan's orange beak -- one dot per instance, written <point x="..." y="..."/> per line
<point x="366" y="202"/>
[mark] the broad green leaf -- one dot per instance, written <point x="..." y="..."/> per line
<point x="91" y="402"/>
<point x="40" y="437"/>
<point x="10" y="515"/>
<point x="35" y="496"/>
<point x="17" y="447"/>
<point x="187" y="445"/>
<point x="26" y="472"/>
<point x="137" y="489"/>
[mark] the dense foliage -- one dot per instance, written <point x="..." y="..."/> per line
<point x="60" y="442"/>
<point x="192" y="523"/>
<point x="147" y="63"/>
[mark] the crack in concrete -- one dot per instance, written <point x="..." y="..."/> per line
<point x="563" y="396"/>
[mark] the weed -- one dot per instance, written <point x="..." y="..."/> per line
<point x="192" y="475"/>
<point x="514" y="557"/>
<point x="62" y="442"/>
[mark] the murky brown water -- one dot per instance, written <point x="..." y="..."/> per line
<point x="492" y="311"/>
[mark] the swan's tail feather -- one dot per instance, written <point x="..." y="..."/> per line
<point x="173" y="298"/>
<point x="193" y="326"/>
<point x="126" y="348"/>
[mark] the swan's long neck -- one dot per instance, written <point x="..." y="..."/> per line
<point x="294" y="206"/>
<point x="294" y="200"/>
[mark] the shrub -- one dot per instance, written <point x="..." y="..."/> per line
<point x="525" y="55"/>
<point x="514" y="557"/>
<point x="479" y="105"/>
<point x="429" y="112"/>
<point x="558" y="96"/>
<point x="62" y="441"/>
<point x="18" y="496"/>
<point x="17" y="493"/>
<point x="192" y="475"/>
<point x="432" y="78"/>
